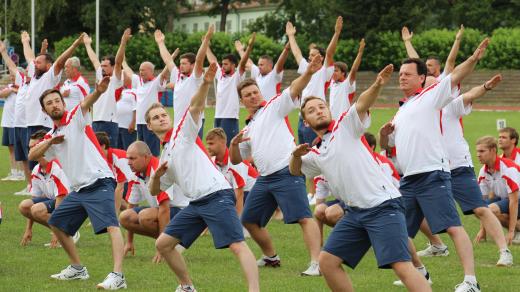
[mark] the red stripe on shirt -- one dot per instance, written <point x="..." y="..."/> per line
<point x="62" y="190"/>
<point x="83" y="91"/>
<point x="238" y="178"/>
<point x="92" y="137"/>
<point x="161" y="197"/>
<point x="513" y="186"/>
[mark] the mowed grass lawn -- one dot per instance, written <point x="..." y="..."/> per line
<point x="28" y="268"/>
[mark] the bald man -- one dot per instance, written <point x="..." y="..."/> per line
<point x="76" y="87"/>
<point x="147" y="220"/>
<point x="147" y="94"/>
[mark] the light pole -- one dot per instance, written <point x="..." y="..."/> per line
<point x="97" y="27"/>
<point x="32" y="24"/>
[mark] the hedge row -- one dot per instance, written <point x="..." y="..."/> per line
<point x="381" y="48"/>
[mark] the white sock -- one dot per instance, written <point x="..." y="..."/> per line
<point x="505" y="250"/>
<point x="439" y="246"/>
<point x="422" y="270"/>
<point x="470" y="278"/>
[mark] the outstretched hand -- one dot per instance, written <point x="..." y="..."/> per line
<point x="87" y="40"/>
<point x="385" y="74"/>
<point x="339" y="24"/>
<point x="102" y="85"/>
<point x="406" y="35"/>
<point x="387" y="129"/>
<point x="161" y="170"/>
<point x="493" y="82"/>
<point x="361" y="45"/>
<point x="301" y="150"/>
<point x="315" y="64"/>
<point x="239" y="46"/>
<point x="479" y="52"/>
<point x="159" y="36"/>
<point x="25" y="37"/>
<point x="210" y="73"/>
<point x="290" y="29"/>
<point x="127" y="34"/>
<point x="459" y="34"/>
<point x="239" y="138"/>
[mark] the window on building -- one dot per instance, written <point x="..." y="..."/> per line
<point x="195" y="27"/>
<point x="228" y="25"/>
<point x="206" y="26"/>
<point x="217" y="25"/>
<point x="251" y="20"/>
<point x="243" y="25"/>
<point x="183" y="27"/>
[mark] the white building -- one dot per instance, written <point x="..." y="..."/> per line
<point x="239" y="16"/>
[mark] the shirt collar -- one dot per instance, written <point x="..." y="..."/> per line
<point x="497" y="165"/>
<point x="154" y="162"/>
<point x="167" y="137"/>
<point x="228" y="75"/>
<point x="405" y="99"/>
<point x="250" y="117"/>
<point x="225" y="159"/>
<point x="318" y="140"/>
<point x="75" y="79"/>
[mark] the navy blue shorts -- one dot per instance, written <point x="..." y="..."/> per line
<point x="334" y="202"/>
<point x="503" y="204"/>
<point x="110" y="128"/>
<point x="230" y="127"/>
<point x="466" y="190"/>
<point x="30" y="131"/>
<point x="279" y="189"/>
<point x="95" y="201"/>
<point x="492" y="200"/>
<point x="37" y="200"/>
<point x="215" y="211"/>
<point x="429" y="195"/>
<point x="50" y="205"/>
<point x="21" y="149"/>
<point x="305" y="134"/>
<point x="148" y="137"/>
<point x="125" y="138"/>
<point x="382" y="227"/>
<point x="173" y="210"/>
<point x="8" y="136"/>
<point x="246" y="193"/>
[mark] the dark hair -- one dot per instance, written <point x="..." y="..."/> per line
<point x="342" y="67"/>
<point x="110" y="58"/>
<point x="307" y="99"/>
<point x="247" y="82"/>
<point x="371" y="140"/>
<point x="232" y="58"/>
<point x="190" y="56"/>
<point x="266" y="57"/>
<point x="434" y="58"/>
<point x="513" y="134"/>
<point x="48" y="57"/>
<point x="47" y="92"/>
<point x="38" y="135"/>
<point x="420" y="65"/>
<point x="103" y="139"/>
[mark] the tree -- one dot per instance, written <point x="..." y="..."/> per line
<point x="222" y="7"/>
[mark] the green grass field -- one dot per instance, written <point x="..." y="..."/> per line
<point x="28" y="268"/>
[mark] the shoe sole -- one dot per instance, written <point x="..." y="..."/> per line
<point x="100" y="287"/>
<point x="435" y="255"/>
<point x="504" y="265"/>
<point x="309" y="275"/>
<point x="70" y="279"/>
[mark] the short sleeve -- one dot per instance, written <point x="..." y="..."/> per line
<point x="162" y="196"/>
<point x="484" y="188"/>
<point x="238" y="178"/>
<point x="350" y="121"/>
<point x="30" y="69"/>
<point x="329" y="70"/>
<point x="255" y="71"/>
<point x="116" y="82"/>
<point x="310" y="167"/>
<point x="512" y="179"/>
<point x="278" y="76"/>
<point x="61" y="182"/>
<point x="99" y="74"/>
<point x="441" y="93"/>
<point x="136" y="81"/>
<point x="282" y="104"/>
<point x="174" y="75"/>
<point x="302" y="67"/>
<point x="322" y="187"/>
<point x="53" y="79"/>
<point x="133" y="194"/>
<point x="19" y="79"/>
<point x="36" y="189"/>
<point x="456" y="108"/>
<point x="245" y="149"/>
<point x="190" y="128"/>
<point x="166" y="181"/>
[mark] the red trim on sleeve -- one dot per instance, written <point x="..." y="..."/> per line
<point x="238" y="178"/>
<point x="129" y="189"/>
<point x="161" y="197"/>
<point x="251" y="171"/>
<point x="351" y="96"/>
<point x="510" y="183"/>
<point x="62" y="190"/>
<point x="278" y="87"/>
<point x="92" y="137"/>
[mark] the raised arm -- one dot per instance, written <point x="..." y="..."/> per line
<point x="331" y="49"/>
<point x="479" y="91"/>
<point x="406" y="35"/>
<point x="60" y="61"/>
<point x="90" y="52"/>
<point x="463" y="70"/>
<point x="282" y="59"/>
<point x="127" y="73"/>
<point x="198" y="69"/>
<point x="198" y="101"/>
<point x="369" y="96"/>
<point x="211" y="57"/>
<point x="28" y="53"/>
<point x="355" y="66"/>
<point x="93" y="97"/>
<point x="45" y="46"/>
<point x="290" y="31"/>
<point x="8" y="62"/>
<point x="299" y="83"/>
<point x="295" y="164"/>
<point x="120" y="55"/>
<point x="452" y="57"/>
<point x="240" y="50"/>
<point x="243" y="59"/>
<point x="165" y="54"/>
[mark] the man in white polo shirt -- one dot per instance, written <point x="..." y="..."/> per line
<point x="104" y="111"/>
<point x="416" y="133"/>
<point x="375" y="212"/>
<point x="228" y="77"/>
<point x="212" y="201"/>
<point x="268" y="141"/>
<point x="91" y="180"/>
<point x="187" y="77"/>
<point x="500" y="178"/>
<point x="126" y="110"/>
<point x="268" y="78"/>
<point x="508" y="143"/>
<point x="76" y="87"/>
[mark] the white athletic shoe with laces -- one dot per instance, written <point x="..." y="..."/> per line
<point x="400" y="283"/>
<point x="113" y="282"/>
<point x="433" y="251"/>
<point x="506" y="259"/>
<point x="190" y="288"/>
<point x="24" y="192"/>
<point x="467" y="287"/>
<point x="70" y="273"/>
<point x="313" y="270"/>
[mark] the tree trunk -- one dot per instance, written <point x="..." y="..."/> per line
<point x="224" y="10"/>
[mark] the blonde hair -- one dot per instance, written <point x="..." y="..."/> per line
<point x="155" y="105"/>
<point x="216" y="133"/>
<point x="489" y="141"/>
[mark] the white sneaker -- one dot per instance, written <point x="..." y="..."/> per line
<point x="48" y="244"/>
<point x="186" y="288"/>
<point x="76" y="236"/>
<point x="24" y="192"/>
<point x="433" y="251"/>
<point x="467" y="287"/>
<point x="400" y="283"/>
<point x="19" y="175"/>
<point x="70" y="273"/>
<point x="113" y="282"/>
<point x="10" y="177"/>
<point x="266" y="261"/>
<point x="506" y="259"/>
<point x="313" y="270"/>
<point x="516" y="239"/>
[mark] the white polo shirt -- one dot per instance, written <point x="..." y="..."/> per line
<point x="189" y="165"/>
<point x="503" y="181"/>
<point x="242" y="175"/>
<point x="147" y="94"/>
<point x="19" y="104"/>
<point x="80" y="154"/>
<point x="515" y="155"/>
<point x="341" y="96"/>
<point x="126" y="106"/>
<point x="8" y="112"/>
<point x="388" y="169"/>
<point x="271" y="141"/>
<point x="138" y="190"/>
<point x="227" y="101"/>
<point x="417" y="134"/>
<point x="33" y="110"/>
<point x="105" y="107"/>
<point x="79" y="89"/>
<point x="269" y="84"/>
<point x="118" y="162"/>
<point x="342" y="153"/>
<point x="184" y="87"/>
<point x="322" y="188"/>
<point x="457" y="147"/>
<point x="319" y="80"/>
<point x="50" y="182"/>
